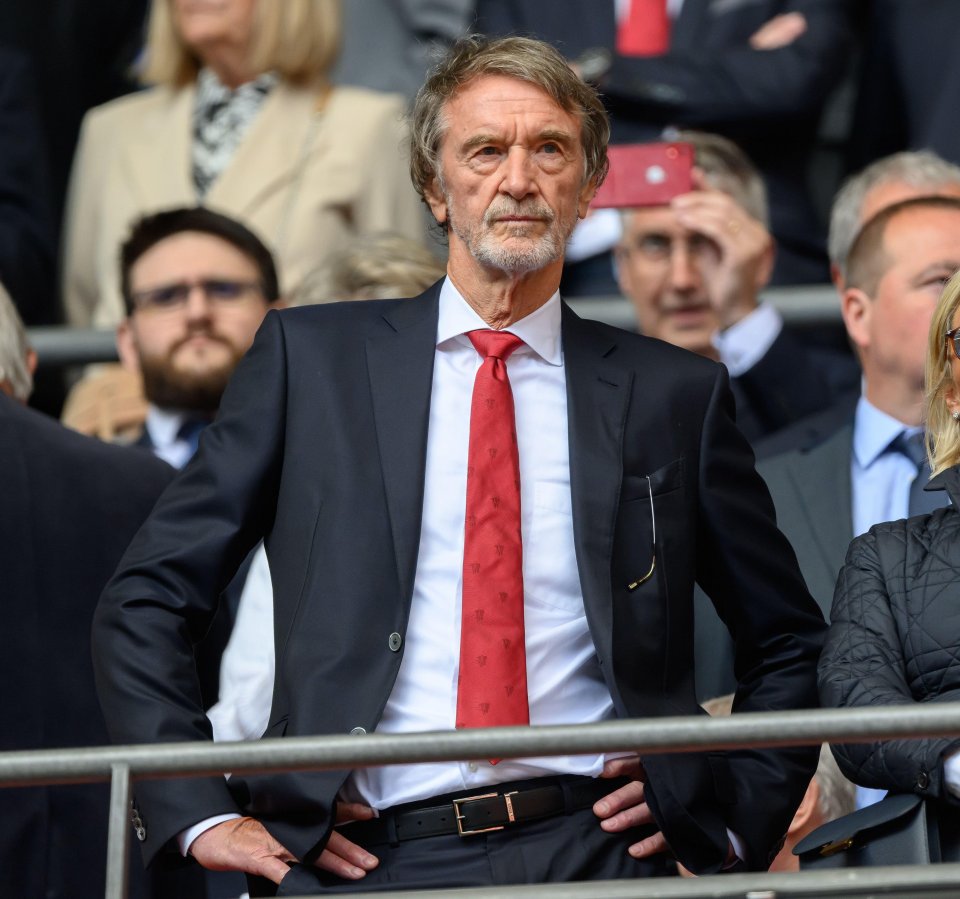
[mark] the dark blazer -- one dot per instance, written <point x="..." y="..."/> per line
<point x="320" y="446"/>
<point x="27" y="256"/>
<point x="69" y="507"/>
<point x="791" y="382"/>
<point x="766" y="101"/>
<point x="807" y="469"/>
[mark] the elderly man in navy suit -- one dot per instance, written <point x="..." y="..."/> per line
<point x="479" y="510"/>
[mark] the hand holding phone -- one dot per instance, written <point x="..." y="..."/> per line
<point x="645" y="175"/>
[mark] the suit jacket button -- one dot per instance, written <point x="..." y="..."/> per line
<point x="395" y="642"/>
<point x="923" y="780"/>
<point x="358" y="732"/>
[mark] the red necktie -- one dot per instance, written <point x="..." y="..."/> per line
<point x="492" y="688"/>
<point x="646" y="29"/>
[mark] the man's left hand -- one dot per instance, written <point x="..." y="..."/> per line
<point x="626" y="807"/>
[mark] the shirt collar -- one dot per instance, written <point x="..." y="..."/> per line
<point x="873" y="432"/>
<point x="540" y="330"/>
<point x="163" y="425"/>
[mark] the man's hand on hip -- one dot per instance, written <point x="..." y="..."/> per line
<point x="244" y="844"/>
<point x="626" y="807"/>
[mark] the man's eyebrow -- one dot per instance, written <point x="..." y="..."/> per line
<point x="548" y="134"/>
<point x="944" y="265"/>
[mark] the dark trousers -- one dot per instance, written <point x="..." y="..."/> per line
<point x="566" y="847"/>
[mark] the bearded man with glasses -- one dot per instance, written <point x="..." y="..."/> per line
<point x="196" y="285"/>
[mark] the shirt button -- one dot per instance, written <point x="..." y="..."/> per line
<point x="472" y="766"/>
<point x="358" y="732"/>
<point x="395" y="642"/>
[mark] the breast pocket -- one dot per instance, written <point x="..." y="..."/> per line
<point x="636" y="544"/>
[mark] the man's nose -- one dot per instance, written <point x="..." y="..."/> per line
<point x="684" y="274"/>
<point x="198" y="303"/>
<point x="518" y="179"/>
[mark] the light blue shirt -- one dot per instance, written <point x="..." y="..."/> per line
<point x="880" y="478"/>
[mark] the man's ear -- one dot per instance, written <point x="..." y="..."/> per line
<point x="857" y="310"/>
<point x="32" y="361"/>
<point x="837" y="277"/>
<point x="436" y="200"/>
<point x="765" y="268"/>
<point x="127" y="346"/>
<point x="587" y="193"/>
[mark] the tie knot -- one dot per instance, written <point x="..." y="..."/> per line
<point x="499" y="344"/>
<point x="911" y="445"/>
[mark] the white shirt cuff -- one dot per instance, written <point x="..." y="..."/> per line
<point x="744" y="344"/>
<point x="186" y="837"/>
<point x="951" y="773"/>
<point x="737" y="844"/>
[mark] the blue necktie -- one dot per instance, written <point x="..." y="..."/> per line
<point x="189" y="432"/>
<point x="922" y="502"/>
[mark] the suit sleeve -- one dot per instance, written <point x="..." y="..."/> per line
<point x="864" y="664"/>
<point x="26" y="227"/>
<point x="748" y="569"/>
<point x="737" y="85"/>
<point x="165" y="593"/>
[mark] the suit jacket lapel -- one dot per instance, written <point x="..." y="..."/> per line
<point x="597" y="396"/>
<point x="829" y="502"/>
<point x="686" y="29"/>
<point x="400" y="366"/>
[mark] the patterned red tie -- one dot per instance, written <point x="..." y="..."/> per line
<point x="492" y="688"/>
<point x="645" y="31"/>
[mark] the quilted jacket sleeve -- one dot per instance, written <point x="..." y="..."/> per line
<point x="863" y="663"/>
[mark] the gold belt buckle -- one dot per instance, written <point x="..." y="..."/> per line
<point x="458" y="803"/>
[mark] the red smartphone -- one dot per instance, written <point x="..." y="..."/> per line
<point x="645" y="175"/>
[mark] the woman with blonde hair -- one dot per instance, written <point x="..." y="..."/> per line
<point x="895" y="624"/>
<point x="242" y="118"/>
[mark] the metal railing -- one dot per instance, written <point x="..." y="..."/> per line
<point x="688" y="734"/>
<point x="803" y="307"/>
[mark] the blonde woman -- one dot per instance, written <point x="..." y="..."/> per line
<point x="895" y="624"/>
<point x="243" y="119"/>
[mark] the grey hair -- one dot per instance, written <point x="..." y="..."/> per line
<point x="522" y="58"/>
<point x="920" y="169"/>
<point x="14" y="349"/>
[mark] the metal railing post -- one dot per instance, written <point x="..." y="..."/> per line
<point x="118" y="835"/>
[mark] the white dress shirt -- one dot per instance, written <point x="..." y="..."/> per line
<point x="564" y="683"/>
<point x="163" y="428"/>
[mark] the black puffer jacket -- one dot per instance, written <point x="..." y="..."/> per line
<point x="895" y="638"/>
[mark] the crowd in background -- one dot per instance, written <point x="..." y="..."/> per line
<point x="170" y="174"/>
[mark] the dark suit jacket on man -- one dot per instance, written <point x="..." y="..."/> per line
<point x="766" y="101"/>
<point x="69" y="506"/>
<point x="321" y="444"/>
<point x="791" y="382"/>
<point x="807" y="469"/>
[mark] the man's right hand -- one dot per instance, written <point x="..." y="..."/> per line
<point x="244" y="844"/>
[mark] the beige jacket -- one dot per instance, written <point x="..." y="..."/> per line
<point x="311" y="173"/>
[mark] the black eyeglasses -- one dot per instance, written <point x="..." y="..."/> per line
<point x="953" y="336"/>
<point x="173" y="297"/>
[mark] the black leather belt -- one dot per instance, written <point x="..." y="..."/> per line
<point x="498" y="809"/>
